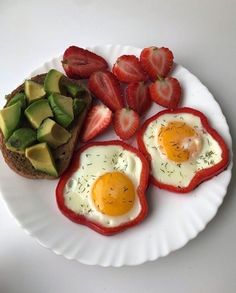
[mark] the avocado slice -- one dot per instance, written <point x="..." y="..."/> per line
<point x="34" y="91"/>
<point x="37" y="112"/>
<point x="51" y="82"/>
<point x="20" y="97"/>
<point x="78" y="106"/>
<point x="9" y="119"/>
<point x="75" y="90"/>
<point x="52" y="133"/>
<point x="20" y="139"/>
<point x="41" y="158"/>
<point x="62" y="108"/>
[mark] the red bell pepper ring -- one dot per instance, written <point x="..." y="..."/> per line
<point x="81" y="219"/>
<point x="201" y="175"/>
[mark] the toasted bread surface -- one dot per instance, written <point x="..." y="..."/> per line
<point x="62" y="155"/>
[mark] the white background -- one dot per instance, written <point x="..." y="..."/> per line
<point x="202" y="35"/>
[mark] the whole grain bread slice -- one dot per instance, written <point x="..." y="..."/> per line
<point x="62" y="155"/>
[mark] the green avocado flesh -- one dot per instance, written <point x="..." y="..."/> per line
<point x="62" y="108"/>
<point x="75" y="90"/>
<point x="20" y="139"/>
<point x="78" y="106"/>
<point x="20" y="97"/>
<point x="52" y="133"/>
<point x="41" y="158"/>
<point x="10" y="119"/>
<point x="37" y="119"/>
<point x="34" y="91"/>
<point x="37" y="112"/>
<point x="51" y="82"/>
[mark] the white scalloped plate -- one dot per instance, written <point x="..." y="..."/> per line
<point x="173" y="219"/>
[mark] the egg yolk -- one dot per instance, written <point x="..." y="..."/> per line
<point x="113" y="194"/>
<point x="179" y="141"/>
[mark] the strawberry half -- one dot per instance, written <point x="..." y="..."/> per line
<point x="80" y="63"/>
<point x="105" y="86"/>
<point x="138" y="97"/>
<point x="166" y="92"/>
<point x="98" y="119"/>
<point x="128" y="69"/>
<point x="157" y="62"/>
<point x="126" y="123"/>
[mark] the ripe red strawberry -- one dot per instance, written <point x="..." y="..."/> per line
<point x="166" y="92"/>
<point x="125" y="122"/>
<point x="138" y="97"/>
<point x="157" y="62"/>
<point x="97" y="121"/>
<point x="80" y="63"/>
<point x="128" y="69"/>
<point x="105" y="86"/>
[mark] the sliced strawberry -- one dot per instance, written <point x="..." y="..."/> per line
<point x="97" y="121"/>
<point x="128" y="69"/>
<point x="138" y="97"/>
<point x="166" y="92"/>
<point x="126" y="122"/>
<point x="157" y="62"/>
<point x="80" y="63"/>
<point x="106" y="87"/>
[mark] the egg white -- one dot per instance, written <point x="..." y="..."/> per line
<point x="94" y="162"/>
<point x="173" y="173"/>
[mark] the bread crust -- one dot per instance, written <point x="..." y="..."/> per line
<point x="62" y="155"/>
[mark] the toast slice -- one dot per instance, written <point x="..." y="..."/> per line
<point x="62" y="155"/>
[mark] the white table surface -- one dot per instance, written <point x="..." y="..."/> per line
<point x="202" y="35"/>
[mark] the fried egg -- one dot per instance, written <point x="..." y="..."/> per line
<point x="179" y="146"/>
<point x="104" y="188"/>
